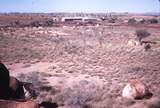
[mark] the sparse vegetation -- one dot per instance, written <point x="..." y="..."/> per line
<point x="52" y="59"/>
<point x="153" y="21"/>
<point x="35" y="24"/>
<point x="149" y="21"/>
<point x="101" y="37"/>
<point x="112" y="20"/>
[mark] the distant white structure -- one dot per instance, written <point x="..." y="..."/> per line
<point x="55" y="19"/>
<point x="79" y="19"/>
<point x="139" y="19"/>
<point x="66" y="19"/>
<point x="88" y="19"/>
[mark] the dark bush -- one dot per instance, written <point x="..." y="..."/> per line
<point x="147" y="47"/>
<point x="14" y="24"/>
<point x="35" y="24"/>
<point x="153" y="21"/>
<point x="49" y="23"/>
<point x="142" y="34"/>
<point x="132" y="21"/>
<point x="143" y="21"/>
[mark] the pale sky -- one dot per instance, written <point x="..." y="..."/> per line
<point x="135" y="6"/>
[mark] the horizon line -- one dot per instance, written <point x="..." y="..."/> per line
<point x="83" y="12"/>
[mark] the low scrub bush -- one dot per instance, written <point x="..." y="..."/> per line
<point x="153" y="21"/>
<point x="132" y="21"/>
<point x="112" y="20"/>
<point x="142" y="34"/>
<point x="48" y="23"/>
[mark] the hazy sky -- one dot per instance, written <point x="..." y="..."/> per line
<point x="137" y="6"/>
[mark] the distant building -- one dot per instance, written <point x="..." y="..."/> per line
<point x="56" y="19"/>
<point x="139" y="19"/>
<point x="79" y="19"/>
<point x="90" y="19"/>
<point x="68" y="19"/>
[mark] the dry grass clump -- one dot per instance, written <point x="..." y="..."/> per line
<point x="79" y="94"/>
<point x="43" y="91"/>
<point x="38" y="81"/>
<point x="87" y="94"/>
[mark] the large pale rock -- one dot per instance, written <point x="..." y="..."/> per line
<point x="134" y="89"/>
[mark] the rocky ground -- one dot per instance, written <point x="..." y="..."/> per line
<point x="83" y="67"/>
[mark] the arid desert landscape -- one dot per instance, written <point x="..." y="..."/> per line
<point x="80" y="64"/>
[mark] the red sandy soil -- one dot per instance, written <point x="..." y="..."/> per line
<point x="79" y="67"/>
